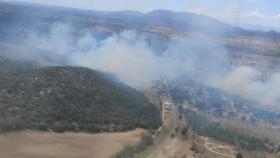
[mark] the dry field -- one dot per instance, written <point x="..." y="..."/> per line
<point x="30" y="144"/>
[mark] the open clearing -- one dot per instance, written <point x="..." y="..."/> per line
<point x="169" y="147"/>
<point x="30" y="144"/>
<point x="220" y="150"/>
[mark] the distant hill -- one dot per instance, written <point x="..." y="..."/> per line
<point x="103" y="23"/>
<point x="71" y="99"/>
<point x="160" y="28"/>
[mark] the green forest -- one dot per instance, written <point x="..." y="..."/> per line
<point x="72" y="99"/>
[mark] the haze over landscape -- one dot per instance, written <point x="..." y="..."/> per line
<point x="196" y="78"/>
<point x="254" y="14"/>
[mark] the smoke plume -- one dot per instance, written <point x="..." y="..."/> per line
<point x="126" y="54"/>
<point x="247" y="82"/>
<point x="133" y="61"/>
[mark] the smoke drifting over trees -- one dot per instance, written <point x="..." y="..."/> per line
<point x="129" y="56"/>
<point x="246" y="82"/>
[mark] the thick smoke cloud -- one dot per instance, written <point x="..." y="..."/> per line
<point x="248" y="83"/>
<point x="126" y="54"/>
<point x="131" y="59"/>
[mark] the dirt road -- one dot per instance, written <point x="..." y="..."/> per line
<point x="229" y="153"/>
<point x="171" y="147"/>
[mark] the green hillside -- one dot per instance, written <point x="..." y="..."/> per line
<point x="71" y="99"/>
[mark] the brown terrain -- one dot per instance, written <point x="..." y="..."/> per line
<point x="167" y="146"/>
<point x="30" y="144"/>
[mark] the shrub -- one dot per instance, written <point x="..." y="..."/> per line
<point x="131" y="150"/>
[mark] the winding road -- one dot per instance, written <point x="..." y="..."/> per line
<point x="212" y="146"/>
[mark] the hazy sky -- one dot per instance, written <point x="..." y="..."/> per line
<point x="260" y="13"/>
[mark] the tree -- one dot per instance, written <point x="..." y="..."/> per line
<point x="239" y="155"/>
<point x="147" y="139"/>
<point x="184" y="131"/>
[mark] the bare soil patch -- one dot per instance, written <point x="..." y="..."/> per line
<point x="30" y="144"/>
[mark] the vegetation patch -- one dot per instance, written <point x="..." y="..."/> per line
<point x="131" y="151"/>
<point x="207" y="128"/>
<point x="72" y="99"/>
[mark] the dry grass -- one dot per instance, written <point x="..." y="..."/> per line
<point x="30" y="144"/>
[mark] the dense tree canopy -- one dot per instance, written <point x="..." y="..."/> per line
<point x="72" y="99"/>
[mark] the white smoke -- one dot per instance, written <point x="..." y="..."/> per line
<point x="126" y="54"/>
<point x="58" y="40"/>
<point x="130" y="58"/>
<point x="248" y="83"/>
